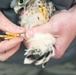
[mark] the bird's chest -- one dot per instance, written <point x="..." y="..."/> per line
<point x="33" y="16"/>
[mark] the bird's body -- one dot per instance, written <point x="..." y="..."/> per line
<point x="36" y="12"/>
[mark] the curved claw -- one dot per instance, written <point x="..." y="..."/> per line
<point x="45" y="58"/>
<point x="30" y="59"/>
<point x="33" y="55"/>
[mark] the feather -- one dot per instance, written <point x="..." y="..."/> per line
<point x="41" y="45"/>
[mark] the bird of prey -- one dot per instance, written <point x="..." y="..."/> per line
<point x="33" y="13"/>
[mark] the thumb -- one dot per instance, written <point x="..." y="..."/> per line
<point x="48" y="27"/>
<point x="6" y="25"/>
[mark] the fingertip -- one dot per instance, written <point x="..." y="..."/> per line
<point x="20" y="29"/>
<point x="16" y="29"/>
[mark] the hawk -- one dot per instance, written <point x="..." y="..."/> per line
<point x="33" y="13"/>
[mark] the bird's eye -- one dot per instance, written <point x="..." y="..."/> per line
<point x="20" y="2"/>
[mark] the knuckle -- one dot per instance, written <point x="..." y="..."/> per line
<point x="55" y="28"/>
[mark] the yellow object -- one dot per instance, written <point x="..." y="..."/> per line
<point x="42" y="10"/>
<point x="10" y="35"/>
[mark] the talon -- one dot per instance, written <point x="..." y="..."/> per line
<point x="40" y="60"/>
<point x="44" y="64"/>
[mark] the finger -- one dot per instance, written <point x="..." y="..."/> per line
<point x="61" y="45"/>
<point x="8" y="44"/>
<point x="72" y="9"/>
<point x="6" y="25"/>
<point x="4" y="56"/>
<point x="26" y="43"/>
<point x="64" y="11"/>
<point x="60" y="48"/>
<point x="49" y="27"/>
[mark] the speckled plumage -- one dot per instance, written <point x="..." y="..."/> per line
<point x="36" y="12"/>
<point x="34" y="17"/>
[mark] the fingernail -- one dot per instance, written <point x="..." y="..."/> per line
<point x="29" y="33"/>
<point x="20" y="29"/>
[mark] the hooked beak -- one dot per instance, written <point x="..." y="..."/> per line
<point x="19" y="10"/>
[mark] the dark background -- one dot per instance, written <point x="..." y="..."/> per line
<point x="64" y="66"/>
<point x="14" y="65"/>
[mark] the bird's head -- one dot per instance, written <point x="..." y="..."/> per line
<point x="18" y="5"/>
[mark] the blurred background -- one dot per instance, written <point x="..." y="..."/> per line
<point x="64" y="66"/>
<point x="14" y="65"/>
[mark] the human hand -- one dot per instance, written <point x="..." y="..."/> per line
<point x="9" y="47"/>
<point x="62" y="26"/>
